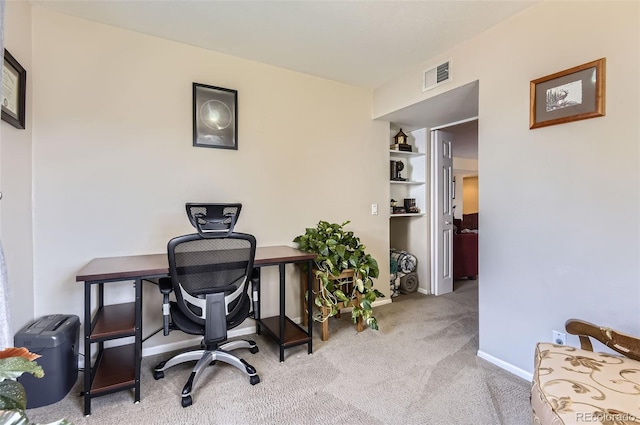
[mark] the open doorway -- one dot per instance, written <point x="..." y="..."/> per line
<point x="464" y="231"/>
<point x="457" y="111"/>
<point x="454" y="232"/>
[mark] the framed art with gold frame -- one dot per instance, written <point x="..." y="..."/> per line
<point x="574" y="94"/>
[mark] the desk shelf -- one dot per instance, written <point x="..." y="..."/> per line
<point x="293" y="334"/>
<point x="114" y="370"/>
<point x="114" y="321"/>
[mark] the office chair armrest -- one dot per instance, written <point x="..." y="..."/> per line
<point x="255" y="292"/>
<point x="166" y="287"/>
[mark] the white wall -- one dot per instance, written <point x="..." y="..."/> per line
<point x="114" y="162"/>
<point x="462" y="167"/>
<point x="15" y="175"/>
<point x="560" y="204"/>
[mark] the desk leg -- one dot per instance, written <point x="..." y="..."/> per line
<point x="282" y="310"/>
<point x="138" y="338"/>
<point x="310" y="304"/>
<point x="87" y="348"/>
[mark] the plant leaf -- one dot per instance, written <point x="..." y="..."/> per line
<point x="19" y="417"/>
<point x="332" y="242"/>
<point x="340" y="295"/>
<point x="13" y="367"/>
<point x="372" y="323"/>
<point x="366" y="305"/>
<point x="13" y="417"/>
<point x="12" y="395"/>
<point x="18" y="352"/>
<point x="370" y="296"/>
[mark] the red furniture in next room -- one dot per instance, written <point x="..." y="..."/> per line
<point x="465" y="247"/>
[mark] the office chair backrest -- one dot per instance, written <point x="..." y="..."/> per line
<point x="213" y="218"/>
<point x="216" y="263"/>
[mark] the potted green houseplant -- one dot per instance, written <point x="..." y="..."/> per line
<point x="339" y="250"/>
<point x="13" y="399"/>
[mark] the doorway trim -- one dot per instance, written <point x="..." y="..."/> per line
<point x="451" y="124"/>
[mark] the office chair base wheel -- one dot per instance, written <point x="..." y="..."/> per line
<point x="187" y="401"/>
<point x="254" y="350"/>
<point x="158" y="373"/>
<point x="255" y="379"/>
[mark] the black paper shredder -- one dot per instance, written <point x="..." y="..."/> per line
<point x="55" y="337"/>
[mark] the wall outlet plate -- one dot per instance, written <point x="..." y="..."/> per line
<point x="559" y="338"/>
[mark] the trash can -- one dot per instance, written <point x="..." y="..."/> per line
<point x="55" y="338"/>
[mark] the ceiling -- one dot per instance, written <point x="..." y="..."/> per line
<point x="362" y="43"/>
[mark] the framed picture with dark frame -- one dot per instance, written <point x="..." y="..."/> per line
<point x="215" y="117"/>
<point x="574" y="94"/>
<point x="14" y="91"/>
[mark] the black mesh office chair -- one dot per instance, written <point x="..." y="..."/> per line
<point x="207" y="218"/>
<point x="210" y="274"/>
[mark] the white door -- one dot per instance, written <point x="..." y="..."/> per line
<point x="441" y="213"/>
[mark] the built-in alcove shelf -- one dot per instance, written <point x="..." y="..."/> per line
<point x="406" y="182"/>
<point x="405" y="153"/>
<point x="408" y="231"/>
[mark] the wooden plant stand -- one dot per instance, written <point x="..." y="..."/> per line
<point x="346" y="275"/>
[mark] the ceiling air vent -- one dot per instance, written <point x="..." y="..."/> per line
<point x="437" y="75"/>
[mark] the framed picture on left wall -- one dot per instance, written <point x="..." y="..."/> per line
<point x="14" y="91"/>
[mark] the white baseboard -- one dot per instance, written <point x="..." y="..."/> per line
<point x="381" y="302"/>
<point x="424" y="291"/>
<point x="377" y="303"/>
<point x="171" y="346"/>
<point x="506" y="366"/>
<point x="249" y="329"/>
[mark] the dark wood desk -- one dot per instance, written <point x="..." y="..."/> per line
<point x="118" y="368"/>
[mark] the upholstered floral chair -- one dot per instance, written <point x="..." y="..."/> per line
<point x="579" y="386"/>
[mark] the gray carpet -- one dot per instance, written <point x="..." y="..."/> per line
<point x="419" y="368"/>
